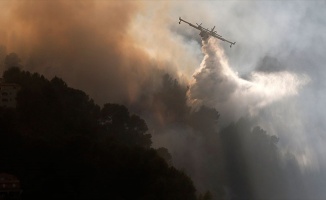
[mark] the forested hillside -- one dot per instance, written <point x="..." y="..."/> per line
<point x="61" y="145"/>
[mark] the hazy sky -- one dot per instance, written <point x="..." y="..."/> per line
<point x="272" y="36"/>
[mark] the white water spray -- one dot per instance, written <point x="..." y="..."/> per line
<point x="217" y="85"/>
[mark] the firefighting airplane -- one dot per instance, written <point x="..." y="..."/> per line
<point x="205" y="33"/>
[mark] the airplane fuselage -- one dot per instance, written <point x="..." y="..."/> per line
<point x="205" y="33"/>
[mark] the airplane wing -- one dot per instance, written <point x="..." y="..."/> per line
<point x="190" y="24"/>
<point x="221" y="38"/>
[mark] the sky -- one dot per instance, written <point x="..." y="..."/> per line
<point x="117" y="51"/>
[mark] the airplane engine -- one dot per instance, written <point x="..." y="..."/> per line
<point x="204" y="35"/>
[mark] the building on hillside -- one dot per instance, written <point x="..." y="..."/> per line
<point x="9" y="187"/>
<point x="8" y="94"/>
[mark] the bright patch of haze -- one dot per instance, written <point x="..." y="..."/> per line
<point x="280" y="39"/>
<point x="288" y="32"/>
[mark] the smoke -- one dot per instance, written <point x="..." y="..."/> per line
<point x="87" y="43"/>
<point x="119" y="52"/>
<point x="217" y="85"/>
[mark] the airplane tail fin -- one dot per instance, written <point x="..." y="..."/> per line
<point x="232" y="44"/>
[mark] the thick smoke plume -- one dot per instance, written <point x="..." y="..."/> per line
<point x="119" y="52"/>
<point x="217" y="85"/>
<point x="87" y="43"/>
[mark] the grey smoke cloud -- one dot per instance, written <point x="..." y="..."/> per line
<point x="84" y="42"/>
<point x="276" y="36"/>
<point x="272" y="37"/>
<point x="117" y="52"/>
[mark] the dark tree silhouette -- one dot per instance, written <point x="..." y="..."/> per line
<point x="164" y="153"/>
<point x="204" y="120"/>
<point x="127" y="129"/>
<point x="12" y="60"/>
<point x="171" y="101"/>
<point x="254" y="168"/>
<point x="61" y="145"/>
